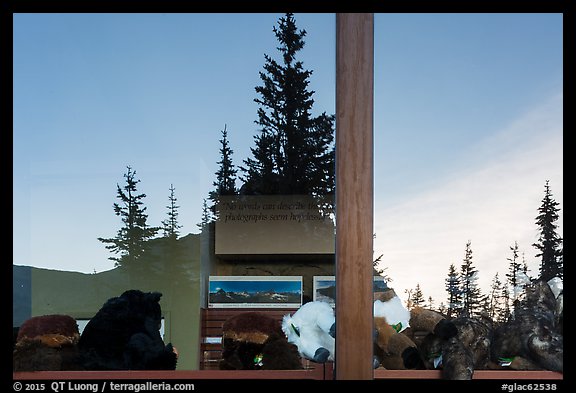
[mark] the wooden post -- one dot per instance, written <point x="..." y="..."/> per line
<point x="354" y="195"/>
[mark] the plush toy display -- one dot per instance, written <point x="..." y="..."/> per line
<point x="312" y="329"/>
<point x="460" y="355"/>
<point x="46" y="343"/>
<point x="395" y="325"/>
<point x="532" y="339"/>
<point x="432" y="322"/>
<point x="255" y="341"/>
<point x="392" y="348"/>
<point x="125" y="335"/>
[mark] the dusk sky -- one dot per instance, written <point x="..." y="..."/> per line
<point x="468" y="127"/>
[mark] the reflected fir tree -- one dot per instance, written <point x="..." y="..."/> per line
<point x="225" y="183"/>
<point x="131" y="241"/>
<point x="294" y="150"/>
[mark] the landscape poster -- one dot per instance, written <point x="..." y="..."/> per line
<point x="325" y="288"/>
<point x="255" y="291"/>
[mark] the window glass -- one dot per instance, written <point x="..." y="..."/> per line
<point x="468" y="130"/>
<point x="165" y="152"/>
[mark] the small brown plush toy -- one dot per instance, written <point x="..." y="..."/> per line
<point x="431" y="322"/>
<point x="394" y="331"/>
<point x="255" y="341"/>
<point x="47" y="343"/>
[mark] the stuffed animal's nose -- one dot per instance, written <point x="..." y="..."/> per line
<point x="321" y="355"/>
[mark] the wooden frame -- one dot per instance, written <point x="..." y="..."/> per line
<point x="354" y="195"/>
<point x="191" y="375"/>
<point x="478" y="374"/>
<point x="321" y="372"/>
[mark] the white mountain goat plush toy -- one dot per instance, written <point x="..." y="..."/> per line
<point x="312" y="329"/>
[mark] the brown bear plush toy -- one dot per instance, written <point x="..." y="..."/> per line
<point x="395" y="325"/>
<point x="255" y="341"/>
<point x="47" y="343"/>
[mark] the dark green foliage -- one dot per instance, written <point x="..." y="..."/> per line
<point x="170" y="225"/>
<point x="549" y="242"/>
<point x="226" y="175"/>
<point x="515" y="267"/>
<point x="496" y="306"/>
<point x="454" y="292"/>
<point x="130" y="242"/>
<point x="472" y="298"/>
<point x="417" y="298"/>
<point x="225" y="182"/>
<point x="294" y="152"/>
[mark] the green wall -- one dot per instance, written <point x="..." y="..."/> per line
<point x="179" y="272"/>
<point x="82" y="295"/>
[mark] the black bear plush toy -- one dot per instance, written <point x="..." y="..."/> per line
<point x="125" y="335"/>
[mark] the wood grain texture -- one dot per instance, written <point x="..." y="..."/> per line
<point x="354" y="195"/>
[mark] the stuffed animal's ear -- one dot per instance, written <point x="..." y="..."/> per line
<point x="154" y="296"/>
<point x="445" y="329"/>
<point x="288" y="327"/>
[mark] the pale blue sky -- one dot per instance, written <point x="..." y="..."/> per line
<point x="467" y="124"/>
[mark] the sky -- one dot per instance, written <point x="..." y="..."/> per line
<point x="468" y="127"/>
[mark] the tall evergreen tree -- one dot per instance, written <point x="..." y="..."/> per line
<point x="131" y="241"/>
<point x="471" y="296"/>
<point x="380" y="271"/>
<point x="525" y="266"/>
<point x="171" y="252"/>
<point x="454" y="293"/>
<point x="225" y="183"/>
<point x="514" y="268"/>
<point x="417" y="297"/>
<point x="516" y="276"/>
<point x="170" y="225"/>
<point x="549" y="242"/>
<point x="507" y="306"/>
<point x="294" y="151"/>
<point x="496" y="305"/>
<point x="206" y="216"/>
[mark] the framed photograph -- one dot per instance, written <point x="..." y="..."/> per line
<point x="255" y="292"/>
<point x="324" y="288"/>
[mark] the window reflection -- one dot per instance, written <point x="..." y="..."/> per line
<point x="155" y="140"/>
